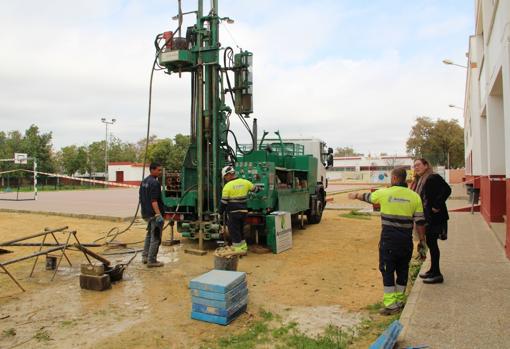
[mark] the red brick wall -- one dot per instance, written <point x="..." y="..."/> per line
<point x="493" y="198"/>
<point x="456" y="176"/>
<point x="507" y="245"/>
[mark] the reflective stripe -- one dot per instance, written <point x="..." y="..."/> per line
<point x="242" y="200"/>
<point x="366" y="197"/>
<point x="397" y="225"/>
<point x="389" y="289"/>
<point x="400" y="288"/>
<point x="389" y="299"/>
<point x="396" y="217"/>
<point x="400" y="297"/>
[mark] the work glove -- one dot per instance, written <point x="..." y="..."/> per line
<point x="159" y="219"/>
<point x="422" y="251"/>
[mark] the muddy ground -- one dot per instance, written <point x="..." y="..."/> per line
<point x="329" y="276"/>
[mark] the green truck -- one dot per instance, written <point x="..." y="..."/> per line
<point x="292" y="178"/>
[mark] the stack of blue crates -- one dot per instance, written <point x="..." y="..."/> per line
<point x="219" y="296"/>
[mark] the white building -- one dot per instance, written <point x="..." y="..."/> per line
<point x="367" y="168"/>
<point x="126" y="172"/>
<point x="487" y="110"/>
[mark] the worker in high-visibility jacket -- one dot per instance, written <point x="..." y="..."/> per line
<point x="401" y="210"/>
<point x="234" y="200"/>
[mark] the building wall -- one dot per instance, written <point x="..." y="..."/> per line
<point x="487" y="109"/>
<point x="132" y="172"/>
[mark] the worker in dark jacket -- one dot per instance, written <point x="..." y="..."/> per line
<point x="153" y="209"/>
<point x="401" y="210"/>
<point x="234" y="201"/>
<point x="434" y="192"/>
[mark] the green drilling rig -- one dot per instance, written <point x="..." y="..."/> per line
<point x="287" y="176"/>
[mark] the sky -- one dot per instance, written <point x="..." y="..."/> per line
<point x="353" y="73"/>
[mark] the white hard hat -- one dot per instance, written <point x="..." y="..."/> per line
<point x="226" y="170"/>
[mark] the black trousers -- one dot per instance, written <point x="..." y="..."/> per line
<point x="235" y="224"/>
<point x="432" y="233"/>
<point x="394" y="259"/>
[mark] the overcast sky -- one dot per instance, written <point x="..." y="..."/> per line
<point x="354" y="73"/>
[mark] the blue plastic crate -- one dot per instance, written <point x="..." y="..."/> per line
<point x="219" y="296"/>
<point x="220" y="281"/>
<point x="221" y="304"/>
<point x="200" y="308"/>
<point x="215" y="319"/>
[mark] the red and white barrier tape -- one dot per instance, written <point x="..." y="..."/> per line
<point x="113" y="184"/>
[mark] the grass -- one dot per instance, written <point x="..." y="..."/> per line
<point x="269" y="329"/>
<point x="67" y="323"/>
<point x="354" y="214"/>
<point x="42" y="335"/>
<point x="10" y="332"/>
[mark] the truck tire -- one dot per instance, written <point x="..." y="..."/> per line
<point x="314" y="216"/>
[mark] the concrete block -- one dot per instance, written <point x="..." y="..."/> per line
<point x="95" y="283"/>
<point x="92" y="269"/>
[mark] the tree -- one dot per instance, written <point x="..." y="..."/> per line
<point x="140" y="147"/>
<point x="170" y="153"/>
<point x="96" y="157"/>
<point x="38" y="145"/>
<point x="441" y="142"/>
<point x="447" y="140"/>
<point x="418" y="144"/>
<point x="70" y="159"/>
<point x="121" y="151"/>
<point x="32" y="142"/>
<point x="346" y="151"/>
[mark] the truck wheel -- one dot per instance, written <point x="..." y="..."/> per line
<point x="315" y="218"/>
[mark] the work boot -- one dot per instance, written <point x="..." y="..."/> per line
<point x="426" y="275"/>
<point x="155" y="264"/>
<point x="390" y="310"/>
<point x="144" y="259"/>
<point x="434" y="279"/>
<point x="241" y="247"/>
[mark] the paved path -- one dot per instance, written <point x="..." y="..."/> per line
<point x="97" y="203"/>
<point x="472" y="308"/>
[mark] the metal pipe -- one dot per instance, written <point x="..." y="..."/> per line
<point x="215" y="117"/>
<point x="31" y="244"/>
<point x="200" y="135"/>
<point x="7" y="243"/>
<point x="193" y="109"/>
<point x="254" y="131"/>
<point x="36" y="254"/>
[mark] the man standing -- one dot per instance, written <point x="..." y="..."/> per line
<point x="152" y="212"/>
<point x="234" y="199"/>
<point x="400" y="208"/>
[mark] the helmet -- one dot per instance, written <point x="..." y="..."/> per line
<point x="226" y="170"/>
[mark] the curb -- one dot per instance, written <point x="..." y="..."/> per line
<point x="72" y="215"/>
<point x="410" y="307"/>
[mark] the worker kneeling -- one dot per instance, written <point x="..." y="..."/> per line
<point x="400" y="208"/>
<point x="234" y="201"/>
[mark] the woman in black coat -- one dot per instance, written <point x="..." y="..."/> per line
<point x="434" y="192"/>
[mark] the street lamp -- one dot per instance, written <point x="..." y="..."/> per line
<point x="106" y="123"/>
<point x="450" y="62"/>
<point x="455" y="106"/>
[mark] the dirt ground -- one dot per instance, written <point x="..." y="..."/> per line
<point x="331" y="270"/>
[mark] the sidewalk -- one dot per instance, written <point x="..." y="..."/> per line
<point x="471" y="309"/>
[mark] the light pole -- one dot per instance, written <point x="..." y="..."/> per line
<point x="450" y="62"/>
<point x="455" y="106"/>
<point x="106" y="123"/>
